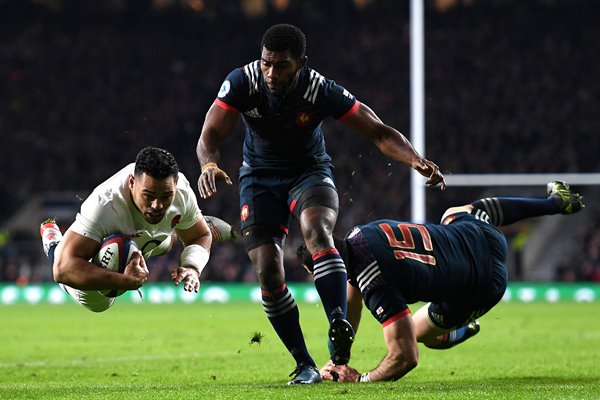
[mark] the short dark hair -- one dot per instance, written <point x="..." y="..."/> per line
<point x="155" y="162"/>
<point x="284" y="37"/>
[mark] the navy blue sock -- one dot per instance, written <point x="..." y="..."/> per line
<point x="282" y="311"/>
<point x="453" y="338"/>
<point x="458" y="335"/>
<point x="51" y="250"/>
<point x="330" y="280"/>
<point x="507" y="210"/>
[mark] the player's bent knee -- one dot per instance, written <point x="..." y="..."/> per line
<point x="454" y="210"/>
<point x="92" y="300"/>
<point x="260" y="235"/>
<point x="318" y="196"/>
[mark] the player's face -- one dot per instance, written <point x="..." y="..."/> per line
<point x="280" y="70"/>
<point x="151" y="196"/>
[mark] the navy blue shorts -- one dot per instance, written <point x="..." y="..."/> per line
<point x="268" y="196"/>
<point x="451" y="315"/>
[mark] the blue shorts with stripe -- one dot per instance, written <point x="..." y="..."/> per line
<point x="269" y="196"/>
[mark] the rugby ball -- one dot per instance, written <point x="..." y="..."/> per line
<point x="220" y="230"/>
<point x="114" y="254"/>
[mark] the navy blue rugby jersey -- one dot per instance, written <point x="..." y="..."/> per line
<point x="397" y="263"/>
<point x="284" y="132"/>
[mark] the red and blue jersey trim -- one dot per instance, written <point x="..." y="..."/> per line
<point x="350" y="111"/>
<point x="395" y="317"/>
<point x="224" y="105"/>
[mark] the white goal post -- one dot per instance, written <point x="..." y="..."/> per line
<point x="417" y="132"/>
<point x="521" y="179"/>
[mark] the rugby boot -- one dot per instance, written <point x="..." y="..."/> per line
<point x="562" y="195"/>
<point x="457" y="336"/>
<point x="50" y="233"/>
<point x="341" y="337"/>
<point x="305" y="374"/>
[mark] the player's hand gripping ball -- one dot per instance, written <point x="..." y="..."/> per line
<point x="114" y="254"/>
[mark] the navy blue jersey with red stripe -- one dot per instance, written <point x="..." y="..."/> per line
<point x="397" y="263"/>
<point x="284" y="132"/>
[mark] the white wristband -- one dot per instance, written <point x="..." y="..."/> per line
<point x="195" y="256"/>
<point x="364" y="377"/>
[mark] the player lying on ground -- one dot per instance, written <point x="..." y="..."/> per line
<point x="151" y="202"/>
<point x="458" y="266"/>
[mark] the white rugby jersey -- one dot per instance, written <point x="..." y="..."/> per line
<point x="109" y="210"/>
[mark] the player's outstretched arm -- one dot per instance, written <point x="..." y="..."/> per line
<point x="194" y="257"/>
<point x="394" y="144"/>
<point x="401" y="358"/>
<point x="218" y="124"/>
<point x="72" y="267"/>
<point x="355" y="303"/>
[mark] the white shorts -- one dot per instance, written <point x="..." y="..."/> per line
<point x="92" y="299"/>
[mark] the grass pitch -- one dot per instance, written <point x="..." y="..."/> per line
<point x="202" y="351"/>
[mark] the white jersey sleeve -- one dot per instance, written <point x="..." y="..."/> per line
<point x="189" y="204"/>
<point x="105" y="211"/>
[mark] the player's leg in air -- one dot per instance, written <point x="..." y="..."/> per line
<point x="92" y="300"/>
<point x="507" y="210"/>
<point x="498" y="211"/>
<point x="318" y="207"/>
<point x="435" y="337"/>
<point x="51" y="237"/>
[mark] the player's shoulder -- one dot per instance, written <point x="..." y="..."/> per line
<point x="313" y="84"/>
<point x="248" y="75"/>
<point x="112" y="189"/>
<point x="185" y="197"/>
<point x="321" y="90"/>
<point x="183" y="185"/>
<point x="242" y="81"/>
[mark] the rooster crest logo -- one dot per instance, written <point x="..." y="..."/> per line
<point x="303" y="119"/>
<point x="245" y="213"/>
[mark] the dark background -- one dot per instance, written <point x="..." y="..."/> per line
<point x="511" y="87"/>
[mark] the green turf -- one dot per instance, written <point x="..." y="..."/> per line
<point x="200" y="351"/>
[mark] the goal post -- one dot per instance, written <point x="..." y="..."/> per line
<point x="521" y="179"/>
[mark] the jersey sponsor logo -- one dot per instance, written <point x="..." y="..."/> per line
<point x="253" y="113"/>
<point x="175" y="221"/>
<point x="303" y="118"/>
<point x="134" y="235"/>
<point x="245" y="213"/>
<point x="225" y="87"/>
<point x="149" y="246"/>
<point x="314" y="82"/>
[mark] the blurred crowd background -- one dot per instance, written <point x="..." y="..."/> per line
<point x="512" y="86"/>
